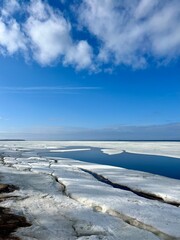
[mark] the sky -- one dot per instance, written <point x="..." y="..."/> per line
<point x="90" y="69"/>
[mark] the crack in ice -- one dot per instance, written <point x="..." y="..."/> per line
<point x="123" y="187"/>
<point x="95" y="206"/>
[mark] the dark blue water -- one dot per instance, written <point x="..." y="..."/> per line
<point x="165" y="166"/>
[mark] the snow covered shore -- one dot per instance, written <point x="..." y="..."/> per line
<point x="68" y="199"/>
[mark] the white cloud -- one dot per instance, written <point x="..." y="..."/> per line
<point x="49" y="33"/>
<point x="45" y="33"/>
<point x="10" y="7"/>
<point x="145" y="7"/>
<point x="127" y="32"/>
<point x="131" y="31"/>
<point x="80" y="55"/>
<point x="11" y="37"/>
<point x="50" y="36"/>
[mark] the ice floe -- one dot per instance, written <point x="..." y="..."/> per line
<point x="68" y="199"/>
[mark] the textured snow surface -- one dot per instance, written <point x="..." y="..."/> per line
<point x="67" y="199"/>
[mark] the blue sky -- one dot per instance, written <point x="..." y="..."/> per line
<point x="86" y="70"/>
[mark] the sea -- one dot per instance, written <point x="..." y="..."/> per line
<point x="160" y="165"/>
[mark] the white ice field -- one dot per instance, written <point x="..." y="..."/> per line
<point x="70" y="199"/>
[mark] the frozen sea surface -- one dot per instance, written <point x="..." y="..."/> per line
<point x="71" y="199"/>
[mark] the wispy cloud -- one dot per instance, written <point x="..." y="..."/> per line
<point x="126" y="32"/>
<point x="47" y="89"/>
<point x="3" y="118"/>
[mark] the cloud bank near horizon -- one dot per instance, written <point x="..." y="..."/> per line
<point x="151" y="132"/>
<point x="124" y="32"/>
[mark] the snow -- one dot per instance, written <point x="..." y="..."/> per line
<point x="166" y="188"/>
<point x="62" y="201"/>
<point x="171" y="149"/>
<point x="69" y="150"/>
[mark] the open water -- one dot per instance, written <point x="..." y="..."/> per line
<point x="161" y="165"/>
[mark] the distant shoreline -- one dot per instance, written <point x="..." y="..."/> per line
<point x="88" y="140"/>
<point x="8" y="140"/>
